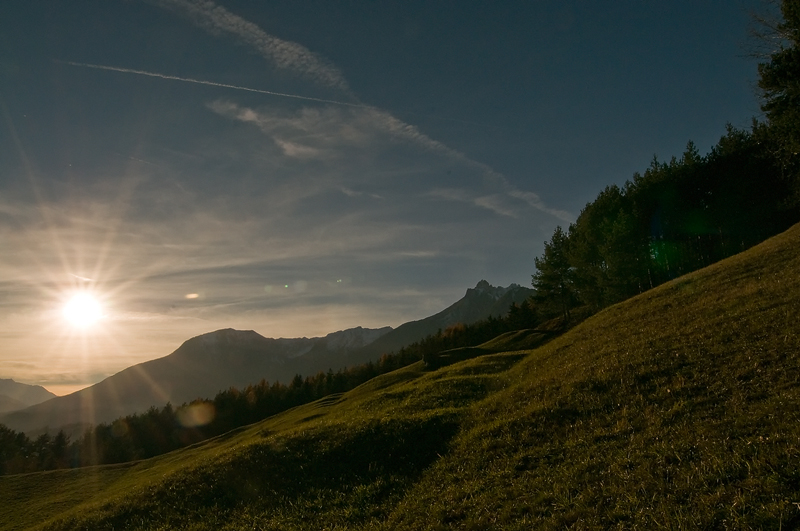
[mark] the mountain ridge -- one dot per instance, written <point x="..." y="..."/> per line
<point x="480" y="302"/>
<point x="209" y="363"/>
<point x="15" y="395"/>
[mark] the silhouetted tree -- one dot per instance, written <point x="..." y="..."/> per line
<point x="779" y="80"/>
<point x="522" y="316"/>
<point x="554" y="278"/>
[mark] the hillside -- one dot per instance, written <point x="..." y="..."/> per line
<point x="15" y="395"/>
<point x="679" y="408"/>
<point x="8" y="404"/>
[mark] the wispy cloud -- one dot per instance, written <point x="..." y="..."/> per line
<point x="353" y="193"/>
<point x="451" y="194"/>
<point x="297" y="58"/>
<point x="492" y="178"/>
<point x="334" y="129"/>
<point x="497" y="203"/>
<point x="293" y="149"/>
<point x="535" y="201"/>
<point x="282" y="54"/>
<point x="418" y="254"/>
<point x="354" y="127"/>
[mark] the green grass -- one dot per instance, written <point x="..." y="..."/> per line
<point x="678" y="409"/>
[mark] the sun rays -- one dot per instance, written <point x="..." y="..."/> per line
<point x="82" y="310"/>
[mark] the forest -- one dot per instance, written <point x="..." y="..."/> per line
<point x="675" y="217"/>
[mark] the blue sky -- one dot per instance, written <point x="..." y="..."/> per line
<point x="341" y="164"/>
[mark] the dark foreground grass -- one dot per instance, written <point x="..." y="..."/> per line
<point x="678" y="409"/>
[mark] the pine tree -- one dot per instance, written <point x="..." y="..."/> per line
<point x="779" y="80"/>
<point x="553" y="278"/>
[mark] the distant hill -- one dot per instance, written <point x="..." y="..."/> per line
<point x="10" y="404"/>
<point x="15" y="395"/>
<point x="679" y="407"/>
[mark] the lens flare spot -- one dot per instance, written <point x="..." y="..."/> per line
<point x="192" y="295"/>
<point x="198" y="414"/>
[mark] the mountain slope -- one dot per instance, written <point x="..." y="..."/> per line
<point x="677" y="408"/>
<point x="199" y="368"/>
<point x="10" y="404"/>
<point x="478" y="303"/>
<point x="15" y="395"/>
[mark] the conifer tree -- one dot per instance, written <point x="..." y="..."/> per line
<point x="553" y="278"/>
<point x="779" y="80"/>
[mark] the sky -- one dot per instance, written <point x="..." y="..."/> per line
<point x="302" y="167"/>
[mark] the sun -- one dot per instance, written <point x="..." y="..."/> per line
<point x="82" y="310"/>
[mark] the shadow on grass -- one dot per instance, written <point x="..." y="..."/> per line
<point x="286" y="471"/>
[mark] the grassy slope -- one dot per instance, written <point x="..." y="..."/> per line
<point x="679" y="408"/>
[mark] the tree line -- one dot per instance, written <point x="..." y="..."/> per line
<point x="676" y="217"/>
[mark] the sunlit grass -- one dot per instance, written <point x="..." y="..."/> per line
<point x="678" y="409"/>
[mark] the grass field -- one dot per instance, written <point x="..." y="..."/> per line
<point x="678" y="409"/>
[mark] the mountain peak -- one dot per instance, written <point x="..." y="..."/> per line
<point x="223" y="340"/>
<point x="484" y="288"/>
<point x="227" y="335"/>
<point x="354" y="337"/>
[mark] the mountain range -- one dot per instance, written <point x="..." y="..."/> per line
<point x="204" y="365"/>
<point x="480" y="302"/>
<point x="15" y="395"/>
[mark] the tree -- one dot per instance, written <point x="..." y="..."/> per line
<point x="601" y="244"/>
<point x="522" y="316"/>
<point x="553" y="278"/>
<point x="59" y="449"/>
<point x="779" y="80"/>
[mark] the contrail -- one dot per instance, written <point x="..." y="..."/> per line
<point x="248" y="89"/>
<point x="211" y="83"/>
